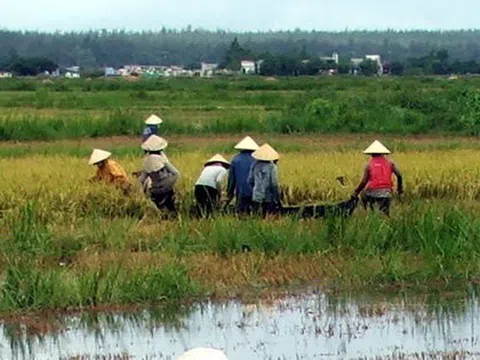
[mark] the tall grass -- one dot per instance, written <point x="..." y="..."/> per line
<point x="125" y="262"/>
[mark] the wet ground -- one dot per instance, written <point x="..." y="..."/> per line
<point x="313" y="325"/>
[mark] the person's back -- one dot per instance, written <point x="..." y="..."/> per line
<point x="263" y="177"/>
<point x="239" y="171"/>
<point x="212" y="176"/>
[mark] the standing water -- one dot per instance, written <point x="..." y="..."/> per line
<point x="309" y="326"/>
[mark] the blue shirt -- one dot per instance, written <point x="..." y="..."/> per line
<point x="264" y="178"/>
<point x="148" y="131"/>
<point x="238" y="176"/>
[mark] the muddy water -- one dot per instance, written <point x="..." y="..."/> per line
<point x="310" y="326"/>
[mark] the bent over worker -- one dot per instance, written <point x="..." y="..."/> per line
<point x="108" y="170"/>
<point x="264" y="180"/>
<point x="377" y="179"/>
<point x="158" y="176"/>
<point x="238" y="176"/>
<point x="208" y="188"/>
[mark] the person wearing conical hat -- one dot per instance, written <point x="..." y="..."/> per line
<point x="263" y="178"/>
<point x="238" y="185"/>
<point x="208" y="188"/>
<point x="377" y="179"/>
<point x="158" y="176"/>
<point x="152" y="123"/>
<point x="108" y="170"/>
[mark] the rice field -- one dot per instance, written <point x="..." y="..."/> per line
<point x="68" y="244"/>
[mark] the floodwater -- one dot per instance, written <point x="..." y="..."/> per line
<point x="313" y="325"/>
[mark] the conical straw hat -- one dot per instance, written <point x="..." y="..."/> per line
<point x="266" y="153"/>
<point x="217" y="158"/>
<point x="377" y="148"/>
<point x="153" y="120"/>
<point x="247" y="144"/>
<point x="153" y="163"/>
<point x="154" y="143"/>
<point x="98" y="155"/>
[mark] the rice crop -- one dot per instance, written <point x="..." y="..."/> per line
<point x="67" y="243"/>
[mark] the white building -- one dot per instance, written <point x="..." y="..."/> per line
<point x="248" y="67"/>
<point x="207" y="70"/>
<point x="378" y="60"/>
<point x="334" y="58"/>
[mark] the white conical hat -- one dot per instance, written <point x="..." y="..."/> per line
<point x="266" y="153"/>
<point x="154" y="143"/>
<point x="153" y="163"/>
<point x="203" y="354"/>
<point x="98" y="155"/>
<point x="153" y="120"/>
<point x="377" y="148"/>
<point x="247" y="144"/>
<point x="217" y="158"/>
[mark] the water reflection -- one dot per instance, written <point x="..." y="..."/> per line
<point x="310" y="326"/>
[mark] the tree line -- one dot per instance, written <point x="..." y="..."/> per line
<point x="95" y="49"/>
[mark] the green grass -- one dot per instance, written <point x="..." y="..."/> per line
<point x="68" y="109"/>
<point x="420" y="244"/>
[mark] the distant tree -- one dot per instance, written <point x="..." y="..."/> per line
<point x="369" y="67"/>
<point x="30" y="66"/>
<point x="397" y="68"/>
<point x="235" y="54"/>
<point x="344" y="67"/>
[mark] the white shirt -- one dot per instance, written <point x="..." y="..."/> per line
<point x="212" y="176"/>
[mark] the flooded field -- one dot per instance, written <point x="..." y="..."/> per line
<point x="313" y="325"/>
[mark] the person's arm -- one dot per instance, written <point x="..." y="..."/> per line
<point x="364" y="182"/>
<point x="399" y="176"/>
<point x="231" y="183"/>
<point x="274" y="184"/>
<point x="172" y="169"/>
<point x="251" y="178"/>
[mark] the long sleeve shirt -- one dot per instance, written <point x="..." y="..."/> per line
<point x="238" y="175"/>
<point x="263" y="178"/>
<point x="144" y="178"/>
<point x="113" y="173"/>
<point x="148" y="131"/>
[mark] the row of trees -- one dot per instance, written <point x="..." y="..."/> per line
<point x="27" y="66"/>
<point x="115" y="48"/>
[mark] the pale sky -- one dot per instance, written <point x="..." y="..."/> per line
<point x="241" y="15"/>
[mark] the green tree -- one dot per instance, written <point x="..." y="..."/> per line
<point x="397" y="68"/>
<point x="369" y="67"/>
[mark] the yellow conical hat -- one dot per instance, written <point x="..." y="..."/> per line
<point x="153" y="120"/>
<point x="266" y="153"/>
<point x="377" y="148"/>
<point x="153" y="163"/>
<point x="154" y="143"/>
<point x="98" y="155"/>
<point x="217" y="158"/>
<point x="247" y="144"/>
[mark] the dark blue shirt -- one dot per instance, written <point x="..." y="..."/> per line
<point x="149" y="130"/>
<point x="238" y="176"/>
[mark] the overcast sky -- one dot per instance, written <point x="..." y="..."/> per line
<point x="51" y="15"/>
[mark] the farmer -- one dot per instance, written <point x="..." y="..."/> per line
<point x="209" y="185"/>
<point x="263" y="178"/>
<point x="238" y="175"/>
<point x="158" y="176"/>
<point x="377" y="179"/>
<point x="151" y="127"/>
<point x="108" y="170"/>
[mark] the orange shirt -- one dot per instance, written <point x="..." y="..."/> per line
<point x="113" y="173"/>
